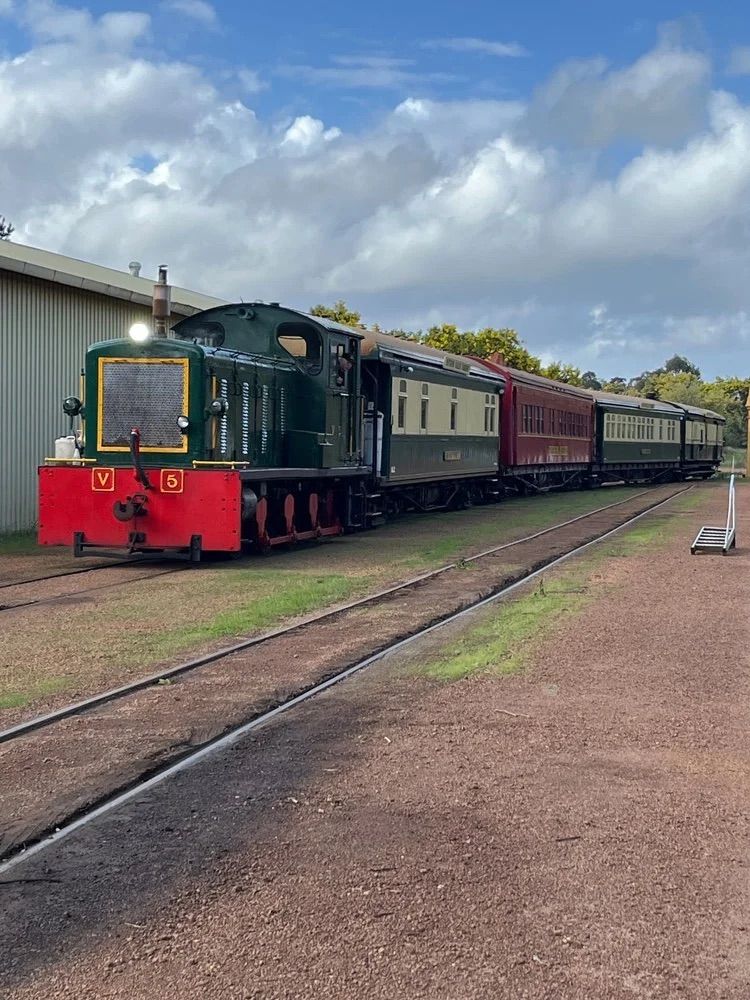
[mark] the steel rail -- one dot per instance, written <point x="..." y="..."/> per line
<point x="114" y="694"/>
<point x="40" y="602"/>
<point x="226" y="740"/>
<point x="147" y="559"/>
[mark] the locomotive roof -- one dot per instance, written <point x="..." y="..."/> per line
<point x="377" y="344"/>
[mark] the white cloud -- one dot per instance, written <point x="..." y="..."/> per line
<point x="739" y="60"/>
<point x="659" y="98"/>
<point x="480" y="45"/>
<point x="363" y="72"/>
<point x="51" y="22"/>
<point x="249" y="80"/>
<point x="463" y="211"/>
<point x="305" y="133"/>
<point x="196" y="10"/>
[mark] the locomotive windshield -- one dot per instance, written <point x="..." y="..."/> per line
<point x="208" y="334"/>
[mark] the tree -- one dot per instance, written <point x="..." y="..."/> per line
<point x="677" y="363"/>
<point x="617" y="385"/>
<point x="562" y="373"/>
<point x="482" y="344"/>
<point x="339" y="312"/>
<point x="447" y="338"/>
<point x="507" y="343"/>
<point x="728" y="397"/>
<point x="589" y="380"/>
<point x="6" y="229"/>
<point x="675" y="387"/>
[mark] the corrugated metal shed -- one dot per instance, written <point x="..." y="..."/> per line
<point x="51" y="308"/>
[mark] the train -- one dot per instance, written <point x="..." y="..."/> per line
<point x="257" y="424"/>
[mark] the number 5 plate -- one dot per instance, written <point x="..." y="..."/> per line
<point x="172" y="480"/>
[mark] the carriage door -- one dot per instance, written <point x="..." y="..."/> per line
<point x="341" y="401"/>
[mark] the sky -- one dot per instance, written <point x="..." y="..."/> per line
<point x="577" y="171"/>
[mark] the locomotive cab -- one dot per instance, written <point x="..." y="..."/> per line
<point x="241" y="425"/>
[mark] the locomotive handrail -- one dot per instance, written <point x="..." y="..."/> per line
<point x="232" y="465"/>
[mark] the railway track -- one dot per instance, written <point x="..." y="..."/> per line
<point x="109" y="564"/>
<point x="169" y="673"/>
<point x="63" y="826"/>
<point x="36" y="602"/>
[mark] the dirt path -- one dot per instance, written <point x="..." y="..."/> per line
<point x="578" y="831"/>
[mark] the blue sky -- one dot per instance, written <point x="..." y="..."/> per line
<point x="580" y="172"/>
<point x="279" y="41"/>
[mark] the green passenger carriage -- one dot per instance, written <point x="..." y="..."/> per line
<point x="702" y="439"/>
<point x="631" y="433"/>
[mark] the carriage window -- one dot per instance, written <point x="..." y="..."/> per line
<point x="303" y="343"/>
<point x="424" y="414"/>
<point x="424" y="411"/>
<point x="454" y="409"/>
<point x="401" y="414"/>
<point x="401" y="408"/>
<point x="490" y="403"/>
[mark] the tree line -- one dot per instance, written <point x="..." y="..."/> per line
<point x="678" y="380"/>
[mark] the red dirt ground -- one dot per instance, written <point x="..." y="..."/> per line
<point x="577" y="832"/>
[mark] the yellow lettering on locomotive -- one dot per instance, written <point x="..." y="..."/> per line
<point x="103" y="480"/>
<point x="172" y="480"/>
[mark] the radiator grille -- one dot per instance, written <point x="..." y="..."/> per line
<point x="149" y="395"/>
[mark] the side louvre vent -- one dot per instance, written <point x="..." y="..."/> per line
<point x="264" y="408"/>
<point x="224" y="420"/>
<point x="282" y="410"/>
<point x="245" y="418"/>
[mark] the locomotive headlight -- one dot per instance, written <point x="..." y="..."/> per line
<point x="72" y="406"/>
<point x="183" y="423"/>
<point x="218" y="407"/>
<point x="139" y="332"/>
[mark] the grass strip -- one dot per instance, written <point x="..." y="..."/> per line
<point x="499" y="645"/>
<point x="19" y="699"/>
<point x="269" y="598"/>
<point x="19" y="543"/>
<point x="510" y="631"/>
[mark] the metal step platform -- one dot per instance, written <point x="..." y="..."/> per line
<point x="711" y="539"/>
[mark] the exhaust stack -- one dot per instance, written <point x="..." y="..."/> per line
<point x="162" y="306"/>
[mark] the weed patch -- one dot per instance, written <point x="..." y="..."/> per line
<point x="19" y="699"/>
<point x="500" y="643"/>
<point x="18" y="543"/>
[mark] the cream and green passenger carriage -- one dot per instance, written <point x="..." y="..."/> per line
<point x="632" y="432"/>
<point x="702" y="439"/>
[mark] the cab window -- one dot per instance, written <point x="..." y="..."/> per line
<point x="304" y="344"/>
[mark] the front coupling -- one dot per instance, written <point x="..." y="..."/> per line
<point x="130" y="508"/>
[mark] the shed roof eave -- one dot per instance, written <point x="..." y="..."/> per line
<point x="61" y="270"/>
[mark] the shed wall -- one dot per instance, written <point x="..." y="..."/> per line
<point x="45" y="329"/>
